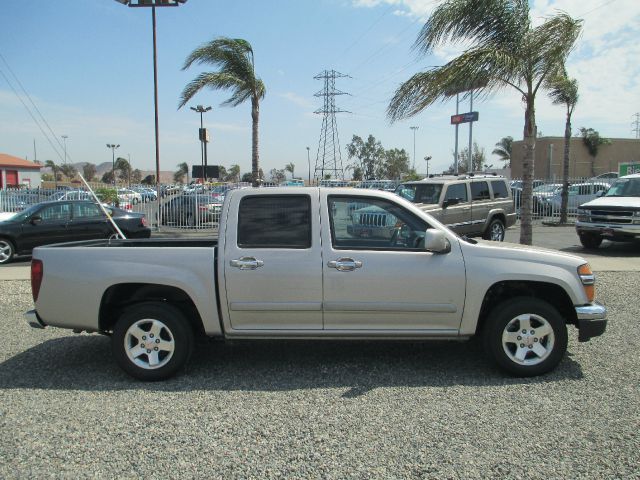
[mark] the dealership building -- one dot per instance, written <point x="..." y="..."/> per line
<point x="549" y="155"/>
<point x="17" y="172"/>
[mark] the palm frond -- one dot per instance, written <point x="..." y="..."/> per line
<point x="486" y="22"/>
<point x="212" y="80"/>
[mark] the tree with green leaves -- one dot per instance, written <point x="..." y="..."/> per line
<point x="181" y="172"/>
<point x="277" y="176"/>
<point x="478" y="160"/>
<point x="123" y="170"/>
<point x="369" y="155"/>
<point x="396" y="163"/>
<point x="148" y="180"/>
<point x="247" y="177"/>
<point x="136" y="176"/>
<point x="107" y="177"/>
<point x="88" y="171"/>
<point x="564" y="91"/>
<point x="68" y="170"/>
<point x="504" y="50"/>
<point x="234" y="58"/>
<point x="503" y="150"/>
<point x="592" y="140"/>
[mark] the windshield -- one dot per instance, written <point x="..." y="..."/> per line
<point x="625" y="187"/>
<point x="427" y="193"/>
<point x="547" y="188"/>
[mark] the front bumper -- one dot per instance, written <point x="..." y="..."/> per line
<point x="33" y="319"/>
<point x="609" y="230"/>
<point x="592" y="321"/>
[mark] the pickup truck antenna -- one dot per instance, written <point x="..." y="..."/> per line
<point x="104" y="210"/>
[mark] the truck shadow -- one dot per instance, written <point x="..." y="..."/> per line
<point x="85" y="363"/>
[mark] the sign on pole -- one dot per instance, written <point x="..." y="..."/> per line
<point x="464" y="118"/>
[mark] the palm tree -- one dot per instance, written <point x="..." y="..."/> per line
<point x="51" y="164"/>
<point x="68" y="170"/>
<point x="506" y="50"/>
<point x="234" y="57"/>
<point x="183" y="170"/>
<point x="503" y="150"/>
<point x="564" y="91"/>
<point x="290" y="167"/>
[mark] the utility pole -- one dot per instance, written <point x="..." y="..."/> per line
<point x="636" y="124"/>
<point x="414" y="146"/>
<point x="64" y="140"/>
<point x="309" y="163"/>
<point x="426" y="159"/>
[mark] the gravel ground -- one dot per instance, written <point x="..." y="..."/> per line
<point x="319" y="410"/>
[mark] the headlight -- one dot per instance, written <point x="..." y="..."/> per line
<point x="636" y="214"/>
<point x="583" y="215"/>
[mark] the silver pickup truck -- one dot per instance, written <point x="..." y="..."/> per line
<point x="287" y="265"/>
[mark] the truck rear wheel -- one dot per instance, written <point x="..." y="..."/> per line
<point x="526" y="336"/>
<point x="152" y="341"/>
<point x="590" y="240"/>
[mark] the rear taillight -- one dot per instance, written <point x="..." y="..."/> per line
<point x="203" y="208"/>
<point x="36" y="278"/>
<point x="144" y="221"/>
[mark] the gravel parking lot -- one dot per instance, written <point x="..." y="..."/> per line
<point x="320" y="410"/>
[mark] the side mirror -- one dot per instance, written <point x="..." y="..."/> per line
<point x="436" y="241"/>
<point x="35" y="220"/>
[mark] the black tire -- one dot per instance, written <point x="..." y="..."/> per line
<point x="506" y="341"/>
<point x="590" y="240"/>
<point x="7" y="251"/>
<point x="495" y="231"/>
<point x="166" y="329"/>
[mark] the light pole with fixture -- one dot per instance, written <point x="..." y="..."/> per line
<point x="414" y="146"/>
<point x="153" y="4"/>
<point x="204" y="138"/>
<point x="426" y="159"/>
<point x="64" y="140"/>
<point x="113" y="147"/>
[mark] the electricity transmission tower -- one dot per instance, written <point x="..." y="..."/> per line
<point x="328" y="158"/>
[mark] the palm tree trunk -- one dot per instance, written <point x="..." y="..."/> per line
<point x="255" y="115"/>
<point x="528" y="160"/>
<point x="565" y="169"/>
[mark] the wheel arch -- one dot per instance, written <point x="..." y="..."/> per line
<point x="551" y="293"/>
<point x="117" y="298"/>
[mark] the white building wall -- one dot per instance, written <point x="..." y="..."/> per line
<point x="29" y="177"/>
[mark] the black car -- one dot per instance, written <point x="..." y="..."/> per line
<point x="64" y="221"/>
<point x="193" y="210"/>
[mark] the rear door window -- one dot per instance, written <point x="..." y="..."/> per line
<point x="275" y="222"/>
<point x="479" y="191"/>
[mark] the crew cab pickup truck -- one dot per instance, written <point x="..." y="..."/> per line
<point x="285" y="266"/>
<point x="614" y="216"/>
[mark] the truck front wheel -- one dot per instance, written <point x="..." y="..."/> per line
<point x="152" y="341"/>
<point x="590" y="240"/>
<point x="526" y="336"/>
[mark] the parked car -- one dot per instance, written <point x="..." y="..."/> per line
<point x="293" y="182"/>
<point x="146" y="194"/>
<point x="608" y="177"/>
<point x="127" y="195"/>
<point x="579" y="193"/>
<point x="614" y="216"/>
<point x="64" y="221"/>
<point x="472" y="205"/>
<point x="16" y="201"/>
<point x="541" y="193"/>
<point x="192" y="210"/>
<point x="69" y="195"/>
<point x="516" y="191"/>
<point x="286" y="267"/>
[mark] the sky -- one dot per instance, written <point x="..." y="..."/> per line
<point x="87" y="67"/>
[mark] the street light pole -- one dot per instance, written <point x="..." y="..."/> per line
<point x="414" y="146"/>
<point x="309" y="162"/>
<point x="426" y="159"/>
<point x="113" y="147"/>
<point x="203" y="139"/>
<point x="153" y="4"/>
<point x="64" y="140"/>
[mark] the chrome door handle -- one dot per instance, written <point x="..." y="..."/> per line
<point x="246" y="263"/>
<point x="345" y="264"/>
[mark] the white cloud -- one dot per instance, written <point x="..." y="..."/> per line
<point x="298" y="100"/>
